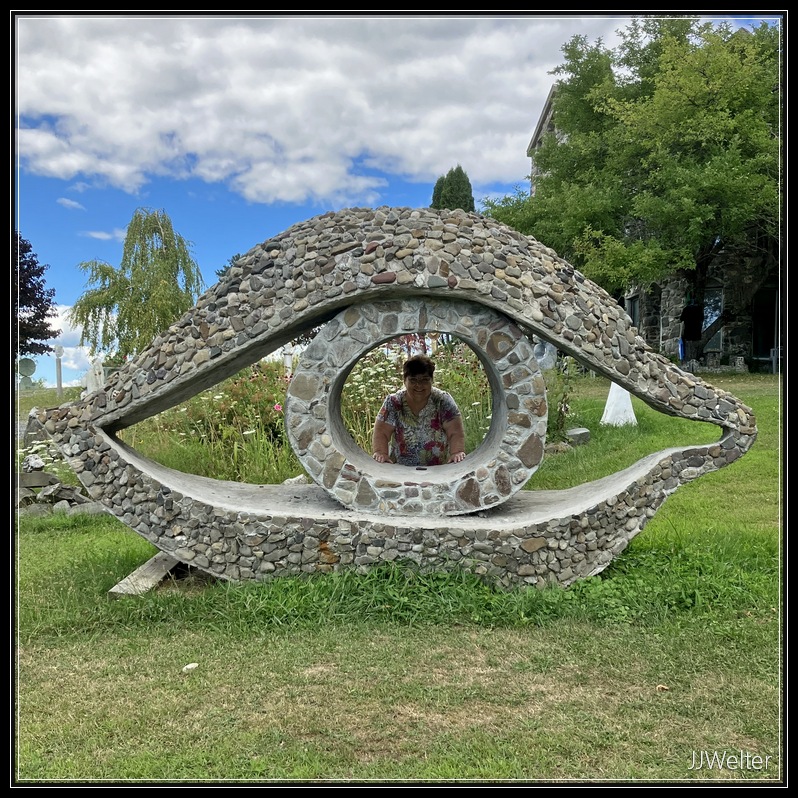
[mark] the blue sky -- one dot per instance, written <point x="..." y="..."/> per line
<point x="239" y="127"/>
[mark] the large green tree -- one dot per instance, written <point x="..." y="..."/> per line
<point x="33" y="302"/>
<point x="453" y="190"/>
<point x="666" y="154"/>
<point x="157" y="281"/>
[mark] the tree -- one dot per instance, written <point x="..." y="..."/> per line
<point x="437" y="191"/>
<point x="33" y="302"/>
<point x="666" y="155"/>
<point x="226" y="268"/>
<point x="453" y="191"/>
<point x="124" y="309"/>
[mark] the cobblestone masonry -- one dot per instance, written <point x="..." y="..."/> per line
<point x="343" y="263"/>
<point x="502" y="465"/>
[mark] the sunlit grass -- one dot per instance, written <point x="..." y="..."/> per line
<point x="406" y="675"/>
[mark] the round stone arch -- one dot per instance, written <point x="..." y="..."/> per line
<point x="508" y="456"/>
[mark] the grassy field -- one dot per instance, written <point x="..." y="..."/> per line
<point x="647" y="673"/>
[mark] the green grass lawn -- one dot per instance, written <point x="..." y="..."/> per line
<point x="398" y="676"/>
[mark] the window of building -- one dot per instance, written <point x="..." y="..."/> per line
<point x="713" y="306"/>
<point x="632" y="307"/>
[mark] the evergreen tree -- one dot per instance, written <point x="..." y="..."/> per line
<point x="453" y="191"/>
<point x="33" y="302"/>
<point x="226" y="268"/>
<point x="457" y="190"/>
<point x="124" y="309"/>
<point x="437" y="192"/>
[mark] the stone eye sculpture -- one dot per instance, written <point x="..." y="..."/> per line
<point x="368" y="275"/>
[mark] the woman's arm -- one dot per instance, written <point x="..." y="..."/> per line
<point x="380" y="441"/>
<point x="455" y="435"/>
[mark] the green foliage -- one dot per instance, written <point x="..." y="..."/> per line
<point x="666" y="153"/>
<point x="44" y="397"/>
<point x="53" y="459"/>
<point x="124" y="309"/>
<point x="675" y="647"/>
<point x="453" y="190"/>
<point x="33" y="302"/>
<point x="704" y="561"/>
<point x="372" y="378"/>
<point x="226" y="268"/>
<point x="559" y="387"/>
<point x="437" y="191"/>
<point x="234" y="431"/>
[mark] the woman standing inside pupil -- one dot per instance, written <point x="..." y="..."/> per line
<point x="418" y="425"/>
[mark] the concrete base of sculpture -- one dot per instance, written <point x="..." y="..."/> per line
<point x="239" y="531"/>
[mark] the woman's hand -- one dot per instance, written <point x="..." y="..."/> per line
<point x="455" y="437"/>
<point x="381" y="441"/>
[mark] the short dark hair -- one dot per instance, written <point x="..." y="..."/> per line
<point x="417" y="365"/>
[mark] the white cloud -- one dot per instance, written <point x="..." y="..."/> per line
<point x="286" y="109"/>
<point x="60" y="321"/>
<point x="75" y="356"/>
<point x="70" y="204"/>
<point x="118" y="234"/>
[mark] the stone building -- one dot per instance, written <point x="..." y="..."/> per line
<point x="656" y="309"/>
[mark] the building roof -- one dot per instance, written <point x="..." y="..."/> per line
<point x="543" y="122"/>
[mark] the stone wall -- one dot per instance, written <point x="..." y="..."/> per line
<point x="661" y="307"/>
<point x="421" y="260"/>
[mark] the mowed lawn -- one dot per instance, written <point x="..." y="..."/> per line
<point x="666" y="668"/>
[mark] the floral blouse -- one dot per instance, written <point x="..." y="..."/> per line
<point x="419" y="440"/>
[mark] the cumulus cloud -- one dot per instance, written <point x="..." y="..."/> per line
<point x="286" y="109"/>
<point x="75" y="357"/>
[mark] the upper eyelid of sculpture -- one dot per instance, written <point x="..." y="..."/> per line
<point x="277" y="290"/>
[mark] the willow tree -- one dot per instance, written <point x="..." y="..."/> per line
<point x="124" y="309"/>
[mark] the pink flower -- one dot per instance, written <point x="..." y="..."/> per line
<point x="278" y="407"/>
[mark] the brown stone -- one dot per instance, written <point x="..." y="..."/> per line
<point x="533" y="544"/>
<point x="531" y="452"/>
<point x="304" y="387"/>
<point x="498" y="345"/>
<point x="502" y="480"/>
<point x="468" y="493"/>
<point x="366" y="496"/>
<point x="332" y="469"/>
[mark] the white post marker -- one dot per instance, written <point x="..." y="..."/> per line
<point x="618" y="412"/>
<point x="59" y="387"/>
